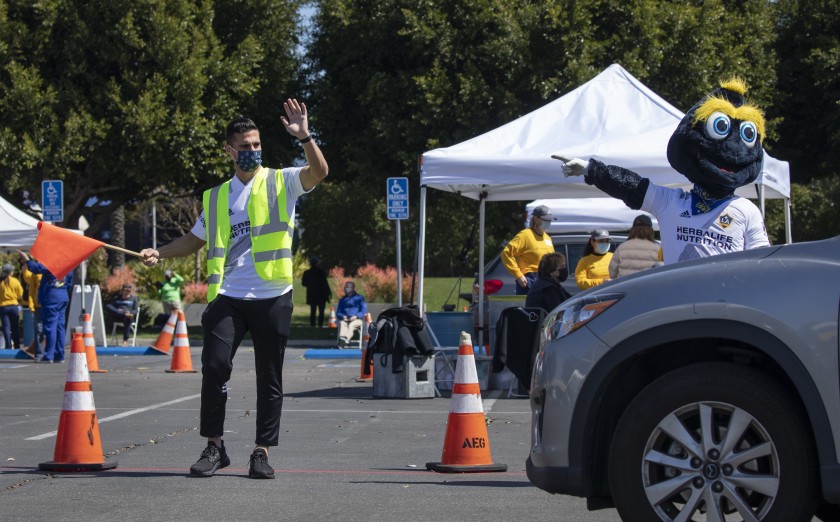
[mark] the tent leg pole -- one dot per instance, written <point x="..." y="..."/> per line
<point x="788" y="234"/>
<point x="421" y="247"/>
<point x="481" y="340"/>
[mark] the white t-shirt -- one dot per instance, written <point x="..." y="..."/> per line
<point x="240" y="279"/>
<point x="732" y="226"/>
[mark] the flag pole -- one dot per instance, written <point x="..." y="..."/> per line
<point x="123" y="250"/>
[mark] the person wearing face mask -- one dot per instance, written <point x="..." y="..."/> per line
<point x="547" y="291"/>
<point x="522" y="255"/>
<point x="247" y="224"/>
<point x="594" y="267"/>
<point x="351" y="309"/>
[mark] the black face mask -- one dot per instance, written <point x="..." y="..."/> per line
<point x="563" y="275"/>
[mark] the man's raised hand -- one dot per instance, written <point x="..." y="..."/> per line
<point x="572" y="166"/>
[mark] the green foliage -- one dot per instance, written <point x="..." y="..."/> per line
<point x="300" y="264"/>
<point x="124" y="98"/>
<point x="149" y="309"/>
<point x="815" y="211"/>
<point x="808" y="91"/>
<point x="97" y="268"/>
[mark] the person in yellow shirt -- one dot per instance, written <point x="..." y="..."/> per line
<point x="594" y="267"/>
<point x="11" y="293"/>
<point x="522" y="255"/>
<point x="31" y="282"/>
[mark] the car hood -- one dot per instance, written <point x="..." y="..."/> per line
<point x="756" y="285"/>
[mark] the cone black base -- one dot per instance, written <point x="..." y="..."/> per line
<point x="56" y="466"/>
<point x="451" y="468"/>
<point x="181" y="371"/>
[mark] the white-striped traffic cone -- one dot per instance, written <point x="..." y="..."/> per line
<point x="90" y="345"/>
<point x="164" y="340"/>
<point x="181" y="357"/>
<point x="77" y="443"/>
<point x="466" y="447"/>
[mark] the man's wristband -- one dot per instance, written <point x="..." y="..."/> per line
<point x="307" y="139"/>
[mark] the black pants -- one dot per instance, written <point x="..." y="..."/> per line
<point x="126" y="324"/>
<point x="225" y="322"/>
<point x="320" y="307"/>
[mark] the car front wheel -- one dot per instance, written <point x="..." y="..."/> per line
<point x="713" y="442"/>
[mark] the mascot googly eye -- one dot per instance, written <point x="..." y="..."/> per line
<point x="717" y="146"/>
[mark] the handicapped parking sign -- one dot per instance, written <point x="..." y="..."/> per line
<point x="52" y="200"/>
<point x="397" y="196"/>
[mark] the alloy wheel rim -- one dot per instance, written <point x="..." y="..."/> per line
<point x="710" y="459"/>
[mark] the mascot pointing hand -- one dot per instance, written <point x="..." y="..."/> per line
<point x="717" y="146"/>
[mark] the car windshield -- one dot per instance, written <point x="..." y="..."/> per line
<point x="574" y="253"/>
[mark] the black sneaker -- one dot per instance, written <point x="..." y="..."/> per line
<point x="258" y="466"/>
<point x="212" y="459"/>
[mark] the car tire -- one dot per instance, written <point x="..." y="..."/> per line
<point x="661" y="462"/>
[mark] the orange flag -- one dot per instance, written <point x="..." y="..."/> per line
<point x="61" y="250"/>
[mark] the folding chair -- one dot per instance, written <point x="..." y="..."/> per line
<point x="134" y="324"/>
<point x="356" y="338"/>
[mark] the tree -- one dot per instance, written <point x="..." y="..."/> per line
<point x="123" y="99"/>
<point x="809" y="87"/>
<point x="395" y="78"/>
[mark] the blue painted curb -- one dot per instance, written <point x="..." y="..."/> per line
<point x="127" y="350"/>
<point x="100" y="350"/>
<point x="14" y="354"/>
<point x="332" y="353"/>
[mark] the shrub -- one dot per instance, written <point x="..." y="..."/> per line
<point x="195" y="293"/>
<point x="376" y="284"/>
<point x="123" y="275"/>
<point x="336" y="279"/>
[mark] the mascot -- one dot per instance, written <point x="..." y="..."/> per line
<point x="717" y="146"/>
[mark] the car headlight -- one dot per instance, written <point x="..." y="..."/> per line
<point x="577" y="312"/>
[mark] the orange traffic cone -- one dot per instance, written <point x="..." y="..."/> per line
<point x="77" y="444"/>
<point x="366" y="371"/>
<point x="165" y="338"/>
<point x="466" y="447"/>
<point x="181" y="358"/>
<point x="90" y="345"/>
<point x="331" y="323"/>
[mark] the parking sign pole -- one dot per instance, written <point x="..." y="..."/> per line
<point x="399" y="266"/>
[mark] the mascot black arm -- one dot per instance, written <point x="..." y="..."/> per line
<point x="619" y="183"/>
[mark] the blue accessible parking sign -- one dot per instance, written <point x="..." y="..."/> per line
<point x="52" y="200"/>
<point x="397" y="190"/>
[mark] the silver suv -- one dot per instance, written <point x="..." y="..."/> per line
<point x="708" y="388"/>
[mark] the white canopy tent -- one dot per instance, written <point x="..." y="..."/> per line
<point x="17" y="228"/>
<point x="613" y="118"/>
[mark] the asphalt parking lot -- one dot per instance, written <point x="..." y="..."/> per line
<point x="342" y="453"/>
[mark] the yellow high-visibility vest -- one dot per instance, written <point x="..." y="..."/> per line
<point x="271" y="229"/>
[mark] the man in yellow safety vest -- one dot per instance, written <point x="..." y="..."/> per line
<point x="247" y="225"/>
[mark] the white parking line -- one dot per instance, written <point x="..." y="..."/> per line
<point x="124" y="414"/>
<point x="491" y="400"/>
